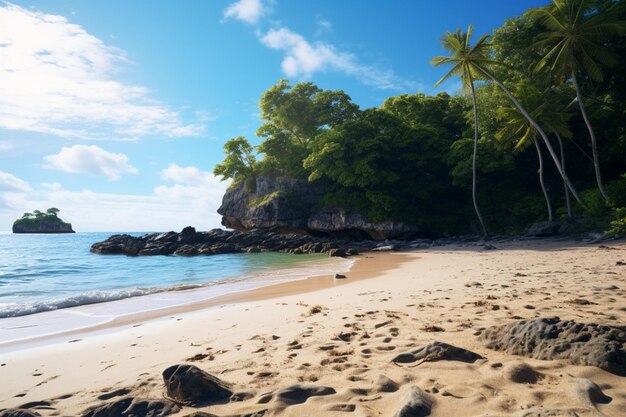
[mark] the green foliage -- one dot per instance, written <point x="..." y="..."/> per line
<point x="411" y="158"/>
<point x="30" y="220"/>
<point x="617" y="226"/>
<point x="263" y="200"/>
<point x="294" y="117"/>
<point x="468" y="62"/>
<point x="53" y="211"/>
<point x="574" y="36"/>
<point x="240" y="162"/>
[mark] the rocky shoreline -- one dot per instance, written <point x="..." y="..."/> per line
<point x="189" y="242"/>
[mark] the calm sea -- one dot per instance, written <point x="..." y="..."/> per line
<point x="41" y="273"/>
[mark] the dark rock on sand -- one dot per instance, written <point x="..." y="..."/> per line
<point x="384" y="384"/>
<point x="298" y="394"/>
<point x="131" y="407"/>
<point x="18" y="412"/>
<point x="590" y="393"/>
<point x="437" y="351"/>
<point x="553" y="338"/>
<point x="189" y="384"/>
<point x="416" y="403"/>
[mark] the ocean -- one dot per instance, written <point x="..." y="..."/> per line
<point x="55" y="279"/>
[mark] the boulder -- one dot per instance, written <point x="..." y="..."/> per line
<point x="553" y="338"/>
<point x="384" y="384"/>
<point x="415" y="403"/>
<point x="189" y="384"/>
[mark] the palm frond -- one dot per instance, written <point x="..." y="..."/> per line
<point x="454" y="71"/>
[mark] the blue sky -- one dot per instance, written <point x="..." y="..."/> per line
<point x="116" y="111"/>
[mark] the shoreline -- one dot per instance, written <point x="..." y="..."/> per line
<point x="345" y="333"/>
<point x="358" y="269"/>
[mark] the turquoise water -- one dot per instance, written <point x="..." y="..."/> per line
<point x="49" y="272"/>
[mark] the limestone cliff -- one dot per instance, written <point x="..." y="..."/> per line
<point x="290" y="205"/>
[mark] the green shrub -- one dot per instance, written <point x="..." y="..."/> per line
<point x="617" y="227"/>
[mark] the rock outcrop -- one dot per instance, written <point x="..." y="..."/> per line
<point x="218" y="241"/>
<point x="290" y="205"/>
<point x="42" y="226"/>
<point x="189" y="384"/>
<point x="553" y="338"/>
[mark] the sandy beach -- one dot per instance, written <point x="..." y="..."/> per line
<point x="340" y="341"/>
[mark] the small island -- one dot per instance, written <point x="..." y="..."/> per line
<point x="39" y="222"/>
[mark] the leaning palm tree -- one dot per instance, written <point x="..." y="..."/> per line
<point x="475" y="63"/>
<point x="516" y="127"/>
<point x="465" y="60"/>
<point x="556" y="121"/>
<point x="574" y="38"/>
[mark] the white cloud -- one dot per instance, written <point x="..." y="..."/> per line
<point x="186" y="175"/>
<point x="90" y="159"/>
<point x="201" y="189"/>
<point x="302" y="59"/>
<point x="323" y="26"/>
<point x="168" y="207"/>
<point x="58" y="79"/>
<point x="9" y="182"/>
<point x="248" y="11"/>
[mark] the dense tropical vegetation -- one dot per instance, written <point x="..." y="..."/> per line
<point x="31" y="219"/>
<point x="538" y="134"/>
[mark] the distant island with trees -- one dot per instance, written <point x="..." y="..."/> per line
<point x="40" y="222"/>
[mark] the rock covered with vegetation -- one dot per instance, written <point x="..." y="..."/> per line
<point x="537" y="137"/>
<point x="39" y="222"/>
<point x="288" y="204"/>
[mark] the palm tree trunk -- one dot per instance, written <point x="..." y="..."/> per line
<point x="480" y="218"/>
<point x="594" y="146"/>
<point x="568" y="202"/>
<point x="534" y="124"/>
<point x="543" y="185"/>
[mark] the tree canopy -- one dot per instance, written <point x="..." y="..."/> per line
<point x="411" y="158"/>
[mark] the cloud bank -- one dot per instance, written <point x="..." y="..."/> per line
<point x="171" y="206"/>
<point x="59" y="79"/>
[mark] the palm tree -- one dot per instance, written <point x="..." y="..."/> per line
<point x="556" y="121"/>
<point x="471" y="64"/>
<point x="518" y="128"/>
<point x="574" y="39"/>
<point x="465" y="60"/>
